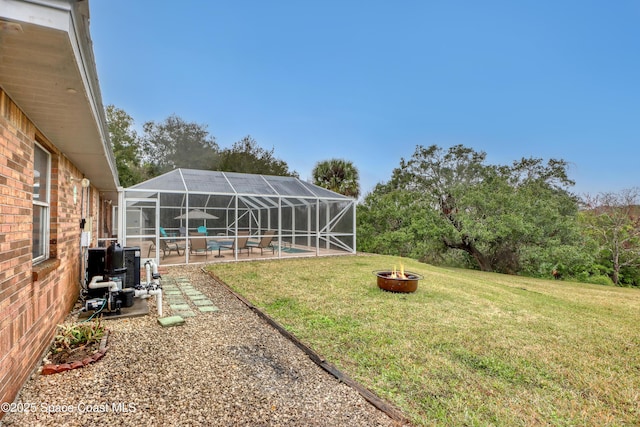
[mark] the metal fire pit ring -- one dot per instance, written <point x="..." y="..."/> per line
<point x="397" y="284"/>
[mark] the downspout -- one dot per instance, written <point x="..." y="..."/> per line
<point x="81" y="264"/>
<point x="122" y="211"/>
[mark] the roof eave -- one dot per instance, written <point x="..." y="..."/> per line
<point x="48" y="69"/>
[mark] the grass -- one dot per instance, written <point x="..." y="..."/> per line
<point x="467" y="348"/>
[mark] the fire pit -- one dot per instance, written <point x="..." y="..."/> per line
<point x="394" y="281"/>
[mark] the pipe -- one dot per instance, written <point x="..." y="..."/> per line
<point x="158" y="294"/>
<point x="147" y="268"/>
<point x="141" y="293"/>
<point x="151" y="286"/>
<point x="155" y="269"/>
<point x="146" y="293"/>
<point x="113" y="286"/>
<point x="151" y="267"/>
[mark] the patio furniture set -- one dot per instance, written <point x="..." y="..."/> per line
<point x="202" y="245"/>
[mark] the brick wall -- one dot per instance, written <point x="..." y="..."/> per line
<point x="33" y="299"/>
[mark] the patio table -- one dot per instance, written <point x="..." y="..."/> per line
<point x="213" y="244"/>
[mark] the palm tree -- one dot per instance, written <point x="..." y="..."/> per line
<point x="337" y="175"/>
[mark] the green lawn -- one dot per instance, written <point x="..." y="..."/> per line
<point x="467" y="348"/>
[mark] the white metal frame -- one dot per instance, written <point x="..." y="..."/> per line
<point x="249" y="206"/>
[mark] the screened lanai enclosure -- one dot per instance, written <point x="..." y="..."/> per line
<point x="187" y="216"/>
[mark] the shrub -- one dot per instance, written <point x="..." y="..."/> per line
<point x="600" y="279"/>
<point x="76" y="335"/>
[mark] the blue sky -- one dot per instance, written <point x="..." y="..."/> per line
<point x="368" y="81"/>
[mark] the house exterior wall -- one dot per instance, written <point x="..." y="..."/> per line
<point x="34" y="298"/>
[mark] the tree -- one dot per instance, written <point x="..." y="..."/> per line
<point x="393" y="222"/>
<point x="175" y="143"/>
<point x="492" y="213"/>
<point x="613" y="220"/>
<point x="245" y="156"/>
<point x="126" y="146"/>
<point x="337" y="175"/>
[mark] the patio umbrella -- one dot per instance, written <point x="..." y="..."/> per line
<point x="196" y="214"/>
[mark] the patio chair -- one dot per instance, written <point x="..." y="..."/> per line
<point x="163" y="233"/>
<point x="198" y="246"/>
<point x="166" y="246"/>
<point x="264" y="243"/>
<point x="202" y="229"/>
<point x="152" y="246"/>
<point x="239" y="243"/>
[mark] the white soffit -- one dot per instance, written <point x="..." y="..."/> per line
<point x="47" y="68"/>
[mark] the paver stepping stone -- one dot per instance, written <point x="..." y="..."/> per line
<point x="201" y="302"/>
<point x="174" y="296"/>
<point x="193" y="293"/>
<point x="177" y="291"/>
<point x="186" y="313"/>
<point x="170" y="321"/>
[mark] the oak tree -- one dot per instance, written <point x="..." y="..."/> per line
<point x="493" y="213"/>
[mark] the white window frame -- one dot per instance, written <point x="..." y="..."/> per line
<point x="44" y="207"/>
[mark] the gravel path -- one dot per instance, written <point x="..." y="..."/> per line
<point x="224" y="368"/>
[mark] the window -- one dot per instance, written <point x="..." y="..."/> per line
<point x="41" y="181"/>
